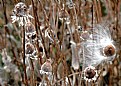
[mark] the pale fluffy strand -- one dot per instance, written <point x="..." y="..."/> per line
<point x="94" y="45"/>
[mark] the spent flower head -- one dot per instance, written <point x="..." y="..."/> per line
<point x="31" y="37"/>
<point x="30" y="51"/>
<point x="46" y="68"/>
<point x="63" y="15"/>
<point x="30" y="28"/>
<point x="90" y="73"/>
<point x="5" y="57"/>
<point x="30" y="32"/>
<point x="21" y="14"/>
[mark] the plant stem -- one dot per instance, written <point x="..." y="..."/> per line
<point x="5" y="16"/>
<point x="32" y="72"/>
<point x="24" y="65"/>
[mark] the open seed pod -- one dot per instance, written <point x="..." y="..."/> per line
<point x="30" y="51"/>
<point x="20" y="9"/>
<point x="21" y="14"/>
<point x="30" y="28"/>
<point x="90" y="73"/>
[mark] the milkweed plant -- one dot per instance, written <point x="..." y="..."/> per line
<point x="61" y="43"/>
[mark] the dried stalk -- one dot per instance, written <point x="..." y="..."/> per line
<point x="23" y="54"/>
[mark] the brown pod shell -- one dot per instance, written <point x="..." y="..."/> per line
<point x="109" y="50"/>
<point x="90" y="73"/>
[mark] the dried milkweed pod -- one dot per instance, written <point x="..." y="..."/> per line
<point x="30" y="51"/>
<point x="5" y="57"/>
<point x="30" y="32"/>
<point x="63" y="14"/>
<point x="98" y="47"/>
<point x="21" y="14"/>
<point x="70" y="4"/>
<point x="20" y="9"/>
<point x="90" y="73"/>
<point x="109" y="50"/>
<point x="29" y="28"/>
<point x="46" y="69"/>
<point x="29" y="48"/>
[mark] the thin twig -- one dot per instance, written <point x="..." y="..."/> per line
<point x="65" y="77"/>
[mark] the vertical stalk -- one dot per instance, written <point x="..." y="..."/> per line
<point x="4" y="8"/>
<point x="92" y="15"/>
<point x="36" y="26"/>
<point x="23" y="53"/>
<point x="100" y="10"/>
<point x="117" y="8"/>
<point x="96" y="10"/>
<point x="32" y="71"/>
<point x="5" y="16"/>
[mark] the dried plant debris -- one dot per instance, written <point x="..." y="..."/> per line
<point x="21" y="14"/>
<point x="60" y="43"/>
<point x="99" y="47"/>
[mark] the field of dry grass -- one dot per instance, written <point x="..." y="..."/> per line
<point x="60" y="43"/>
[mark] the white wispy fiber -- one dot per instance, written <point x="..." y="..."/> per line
<point x="95" y="45"/>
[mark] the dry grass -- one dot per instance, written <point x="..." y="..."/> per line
<point x="48" y="13"/>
